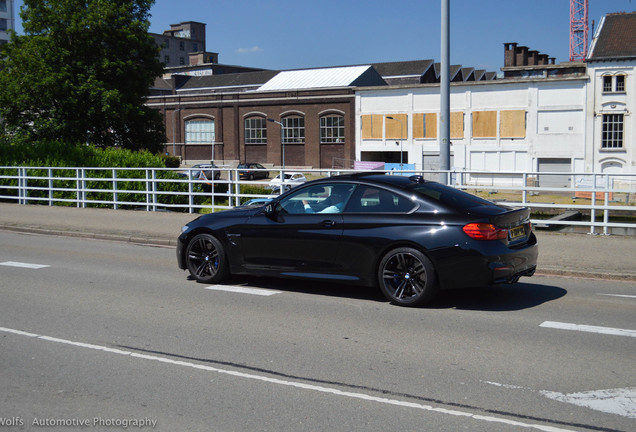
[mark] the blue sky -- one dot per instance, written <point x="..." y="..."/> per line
<point x="286" y="34"/>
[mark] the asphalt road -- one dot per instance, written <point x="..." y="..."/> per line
<point x="109" y="335"/>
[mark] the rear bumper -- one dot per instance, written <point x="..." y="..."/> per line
<point x="488" y="264"/>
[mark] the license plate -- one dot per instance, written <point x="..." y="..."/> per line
<point x="517" y="232"/>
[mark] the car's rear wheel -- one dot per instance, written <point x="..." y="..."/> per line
<point x="206" y="259"/>
<point x="407" y="277"/>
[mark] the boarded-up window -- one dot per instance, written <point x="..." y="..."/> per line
<point x="372" y="126"/>
<point x="396" y="126"/>
<point x="513" y="124"/>
<point x="485" y="124"/>
<point x="457" y="125"/>
<point x="425" y="125"/>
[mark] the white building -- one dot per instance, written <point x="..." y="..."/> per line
<point x="571" y="117"/>
<point x="504" y="125"/>
<point x="610" y="135"/>
<point x="6" y="20"/>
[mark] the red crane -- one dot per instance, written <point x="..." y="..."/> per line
<point x="578" y="29"/>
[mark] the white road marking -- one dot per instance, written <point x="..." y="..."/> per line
<point x="23" y="265"/>
<point x="589" y="329"/>
<point x="243" y="290"/>
<point x="619" y="295"/>
<point x="299" y="385"/>
<point x="621" y="401"/>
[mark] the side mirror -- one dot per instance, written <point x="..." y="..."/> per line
<point x="270" y="212"/>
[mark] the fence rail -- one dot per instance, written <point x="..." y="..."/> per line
<point x="602" y="203"/>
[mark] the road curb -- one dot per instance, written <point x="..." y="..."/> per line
<point x="108" y="237"/>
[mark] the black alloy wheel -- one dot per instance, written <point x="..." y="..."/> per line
<point x="407" y="277"/>
<point x="206" y="259"/>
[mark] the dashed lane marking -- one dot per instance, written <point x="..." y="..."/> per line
<point x="23" y="265"/>
<point x="589" y="329"/>
<point x="619" y="295"/>
<point x="243" y="290"/>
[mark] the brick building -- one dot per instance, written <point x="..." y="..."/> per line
<point x="224" y="118"/>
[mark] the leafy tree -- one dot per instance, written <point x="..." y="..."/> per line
<point x="81" y="74"/>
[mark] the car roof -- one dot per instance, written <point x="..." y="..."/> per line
<point x="377" y="178"/>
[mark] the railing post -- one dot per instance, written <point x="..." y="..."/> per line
<point x="115" y="191"/>
<point x="234" y="176"/>
<point x="190" y="197"/>
<point x="593" y="211"/>
<point x="153" y="188"/>
<point x="50" y="175"/>
<point x="79" y="176"/>
<point x="606" y="209"/>
<point x="22" y="185"/>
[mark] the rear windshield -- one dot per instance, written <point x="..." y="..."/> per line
<point x="448" y="195"/>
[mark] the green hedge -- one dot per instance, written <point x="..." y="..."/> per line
<point x="60" y="155"/>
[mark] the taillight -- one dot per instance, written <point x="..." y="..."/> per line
<point x="485" y="231"/>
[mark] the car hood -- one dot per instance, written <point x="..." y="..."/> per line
<point x="238" y="214"/>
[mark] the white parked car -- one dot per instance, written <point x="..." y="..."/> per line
<point x="291" y="179"/>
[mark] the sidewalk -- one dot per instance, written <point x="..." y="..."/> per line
<point x="581" y="255"/>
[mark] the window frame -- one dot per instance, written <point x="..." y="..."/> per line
<point x="613" y="131"/>
<point x="200" y="136"/>
<point x="332" y="129"/>
<point x="251" y="131"/>
<point x="619" y="85"/>
<point x="293" y="129"/>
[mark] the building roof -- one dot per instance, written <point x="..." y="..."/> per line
<point x="242" y="79"/>
<point x="615" y="38"/>
<point x="397" y="69"/>
<point x="347" y="76"/>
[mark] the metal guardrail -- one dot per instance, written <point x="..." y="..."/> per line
<point x="604" y="202"/>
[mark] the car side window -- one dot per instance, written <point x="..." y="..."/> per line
<point x="369" y="199"/>
<point x="323" y="198"/>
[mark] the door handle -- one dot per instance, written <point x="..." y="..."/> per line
<point x="329" y="223"/>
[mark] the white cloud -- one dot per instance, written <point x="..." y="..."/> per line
<point x="254" y="49"/>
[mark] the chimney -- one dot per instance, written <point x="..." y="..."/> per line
<point x="521" y="54"/>
<point x="510" y="54"/>
<point x="533" y="58"/>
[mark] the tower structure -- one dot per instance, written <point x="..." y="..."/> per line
<point x="578" y="29"/>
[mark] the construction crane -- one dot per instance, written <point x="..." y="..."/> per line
<point x="578" y="29"/>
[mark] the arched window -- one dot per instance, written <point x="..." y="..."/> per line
<point x="293" y="130"/>
<point x="255" y="130"/>
<point x="199" y="131"/>
<point x="332" y="129"/>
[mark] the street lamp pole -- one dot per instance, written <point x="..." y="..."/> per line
<point x="444" y="106"/>
<point x="401" y="140"/>
<point x="282" y="145"/>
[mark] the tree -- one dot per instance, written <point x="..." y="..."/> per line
<point x="81" y="73"/>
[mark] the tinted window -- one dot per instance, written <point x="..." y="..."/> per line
<point x="369" y="199"/>
<point x="449" y="196"/>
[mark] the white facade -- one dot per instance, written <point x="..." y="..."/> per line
<point x="608" y="97"/>
<point x="6" y="20"/>
<point x="554" y="112"/>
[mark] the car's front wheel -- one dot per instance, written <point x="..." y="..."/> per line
<point x="206" y="259"/>
<point x="407" y="277"/>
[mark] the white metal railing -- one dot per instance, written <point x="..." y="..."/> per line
<point x="607" y="202"/>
